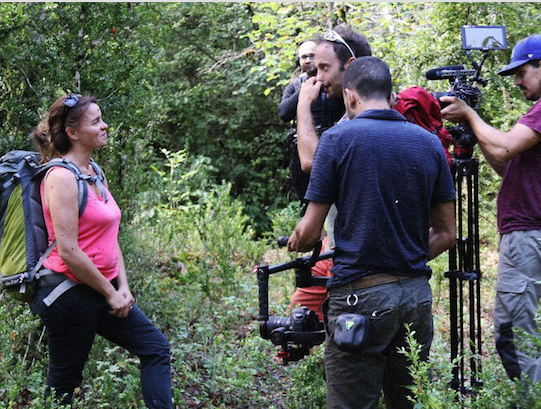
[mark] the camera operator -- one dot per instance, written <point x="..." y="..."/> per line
<point x="516" y="156"/>
<point x="395" y="199"/>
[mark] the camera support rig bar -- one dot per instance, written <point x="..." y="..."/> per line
<point x="464" y="271"/>
<point x="303" y="330"/>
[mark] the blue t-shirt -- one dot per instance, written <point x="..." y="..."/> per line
<point x="383" y="173"/>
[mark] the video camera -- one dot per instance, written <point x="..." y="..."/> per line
<point x="302" y="330"/>
<point x="463" y="81"/>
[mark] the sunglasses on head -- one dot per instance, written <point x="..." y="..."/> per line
<point x="69" y="102"/>
<point x="333" y="36"/>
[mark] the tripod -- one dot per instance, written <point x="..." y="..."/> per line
<point x="465" y="277"/>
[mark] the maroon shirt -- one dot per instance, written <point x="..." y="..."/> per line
<point x="519" y="199"/>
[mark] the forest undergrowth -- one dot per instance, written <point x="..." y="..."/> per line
<point x="191" y="268"/>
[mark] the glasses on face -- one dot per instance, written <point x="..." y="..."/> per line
<point x="333" y="36"/>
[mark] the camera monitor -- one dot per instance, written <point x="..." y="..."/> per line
<point x="484" y="38"/>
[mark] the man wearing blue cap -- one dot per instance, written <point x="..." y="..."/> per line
<point x="515" y="155"/>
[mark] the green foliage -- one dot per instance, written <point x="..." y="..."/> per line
<point x="430" y="387"/>
<point x="431" y="382"/>
<point x="308" y="376"/>
<point x="284" y="220"/>
<point x="22" y="354"/>
<point x="210" y="104"/>
<point x="166" y="75"/>
<point x="196" y="160"/>
<point x="215" y="228"/>
<point x="112" y="378"/>
<point x="176" y="258"/>
<point x="186" y="181"/>
<point x="207" y="77"/>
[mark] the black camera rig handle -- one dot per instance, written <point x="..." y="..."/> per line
<point x="282" y="242"/>
<point x="303" y="276"/>
<point x="303" y="330"/>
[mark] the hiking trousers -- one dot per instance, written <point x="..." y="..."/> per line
<point x="355" y="380"/>
<point x="518" y="291"/>
<point x="72" y="322"/>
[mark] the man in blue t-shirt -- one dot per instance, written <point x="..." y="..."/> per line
<point x="516" y="156"/>
<point x="395" y="195"/>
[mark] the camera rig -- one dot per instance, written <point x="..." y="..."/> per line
<point x="302" y="330"/>
<point x="464" y="272"/>
<point x="462" y="86"/>
<point x="463" y="81"/>
<point x="482" y="38"/>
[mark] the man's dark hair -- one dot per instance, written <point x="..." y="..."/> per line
<point x="357" y="41"/>
<point x="370" y="77"/>
<point x="534" y="63"/>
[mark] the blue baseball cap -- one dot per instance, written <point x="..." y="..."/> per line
<point x="527" y="49"/>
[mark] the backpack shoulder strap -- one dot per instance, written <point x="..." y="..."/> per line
<point x="99" y="179"/>
<point x="82" y="199"/>
<point x="97" y="170"/>
<point x="82" y="188"/>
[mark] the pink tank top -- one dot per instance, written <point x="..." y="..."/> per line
<point x="98" y="235"/>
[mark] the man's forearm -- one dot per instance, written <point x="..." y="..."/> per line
<point x="491" y="142"/>
<point x="442" y="233"/>
<point x="309" y="230"/>
<point x="495" y="145"/>
<point x="439" y="242"/>
<point x="307" y="139"/>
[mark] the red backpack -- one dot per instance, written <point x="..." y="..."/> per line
<point x="421" y="108"/>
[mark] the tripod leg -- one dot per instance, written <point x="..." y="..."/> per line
<point x="453" y="328"/>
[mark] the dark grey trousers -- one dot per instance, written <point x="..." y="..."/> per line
<point x="355" y="380"/>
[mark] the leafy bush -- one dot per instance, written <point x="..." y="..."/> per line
<point x="308" y="378"/>
<point x="199" y="230"/>
<point x="22" y="354"/>
<point x="284" y="221"/>
<point x="190" y="90"/>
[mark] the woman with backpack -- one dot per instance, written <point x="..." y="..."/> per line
<point x="87" y="252"/>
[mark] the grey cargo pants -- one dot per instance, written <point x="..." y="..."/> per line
<point x="518" y="291"/>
